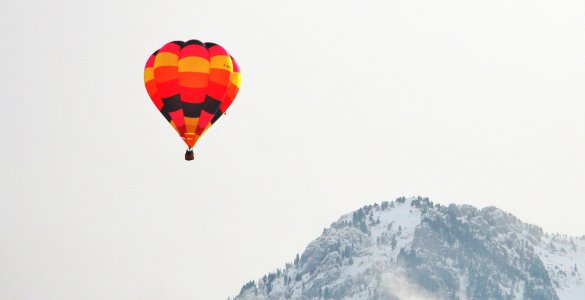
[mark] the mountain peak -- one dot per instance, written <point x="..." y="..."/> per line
<point x="411" y="248"/>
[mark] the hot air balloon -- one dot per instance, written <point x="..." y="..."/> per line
<point x="192" y="84"/>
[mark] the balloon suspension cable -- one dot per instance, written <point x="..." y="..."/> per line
<point x="189" y="154"/>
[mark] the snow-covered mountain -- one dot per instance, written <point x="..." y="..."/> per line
<point x="414" y="249"/>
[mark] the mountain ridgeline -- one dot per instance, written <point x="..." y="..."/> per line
<point x="415" y="249"/>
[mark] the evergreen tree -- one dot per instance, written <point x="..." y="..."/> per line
<point x="326" y="294"/>
<point x="363" y="227"/>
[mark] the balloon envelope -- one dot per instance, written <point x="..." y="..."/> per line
<point x="192" y="84"/>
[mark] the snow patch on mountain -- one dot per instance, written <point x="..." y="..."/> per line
<point x="564" y="258"/>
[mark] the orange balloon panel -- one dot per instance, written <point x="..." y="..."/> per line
<point x="192" y="84"/>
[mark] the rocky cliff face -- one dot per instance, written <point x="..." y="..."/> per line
<point x="414" y="249"/>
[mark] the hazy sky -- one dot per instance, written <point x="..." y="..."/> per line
<point x="343" y="104"/>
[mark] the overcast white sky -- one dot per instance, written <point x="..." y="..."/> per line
<point x="343" y="104"/>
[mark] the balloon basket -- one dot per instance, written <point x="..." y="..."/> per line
<point x="189" y="155"/>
